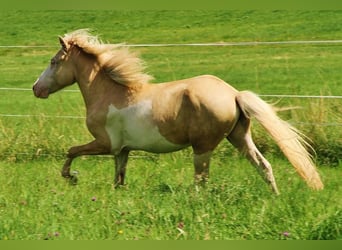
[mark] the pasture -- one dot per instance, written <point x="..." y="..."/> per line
<point x="160" y="200"/>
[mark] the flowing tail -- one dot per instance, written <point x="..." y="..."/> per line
<point x="288" y="138"/>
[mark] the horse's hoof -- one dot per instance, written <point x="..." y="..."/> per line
<point x="66" y="175"/>
<point x="73" y="180"/>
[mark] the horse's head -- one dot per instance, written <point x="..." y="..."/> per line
<point x="58" y="74"/>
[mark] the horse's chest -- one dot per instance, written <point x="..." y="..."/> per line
<point x="133" y="127"/>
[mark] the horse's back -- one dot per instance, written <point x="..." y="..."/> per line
<point x="198" y="94"/>
<point x="201" y="82"/>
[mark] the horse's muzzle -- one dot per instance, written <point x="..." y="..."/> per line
<point x="40" y="92"/>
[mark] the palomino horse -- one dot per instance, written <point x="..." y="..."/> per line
<point x="125" y="112"/>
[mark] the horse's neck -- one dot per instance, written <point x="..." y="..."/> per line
<point x="97" y="87"/>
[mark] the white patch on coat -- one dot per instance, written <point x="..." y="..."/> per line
<point x="132" y="127"/>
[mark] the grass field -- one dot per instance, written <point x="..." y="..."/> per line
<point x="159" y="200"/>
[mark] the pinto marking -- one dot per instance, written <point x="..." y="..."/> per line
<point x="132" y="127"/>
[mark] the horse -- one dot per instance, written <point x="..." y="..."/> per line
<point x="125" y="112"/>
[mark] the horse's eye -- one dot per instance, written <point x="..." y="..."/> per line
<point x="53" y="61"/>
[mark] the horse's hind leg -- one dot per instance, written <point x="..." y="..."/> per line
<point x="241" y="138"/>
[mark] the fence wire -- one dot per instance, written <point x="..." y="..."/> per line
<point x="248" y="43"/>
<point x="83" y="117"/>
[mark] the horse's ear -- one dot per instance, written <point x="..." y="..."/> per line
<point x="63" y="44"/>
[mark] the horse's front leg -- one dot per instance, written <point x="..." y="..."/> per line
<point x="202" y="163"/>
<point x="120" y="167"/>
<point x="66" y="168"/>
<point x="92" y="148"/>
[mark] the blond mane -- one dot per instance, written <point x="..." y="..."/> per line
<point x="122" y="65"/>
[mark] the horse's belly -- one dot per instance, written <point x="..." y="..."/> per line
<point x="132" y="127"/>
<point x="140" y="135"/>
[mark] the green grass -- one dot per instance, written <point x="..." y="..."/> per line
<point x="159" y="200"/>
